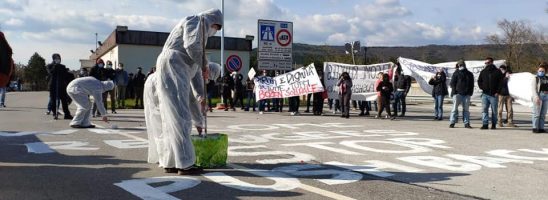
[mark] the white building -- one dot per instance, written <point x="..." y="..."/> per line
<point x="141" y="49"/>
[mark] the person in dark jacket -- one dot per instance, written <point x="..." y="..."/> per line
<point x="57" y="86"/>
<point x="250" y="86"/>
<point x="489" y="82"/>
<point x="385" y="88"/>
<point x="121" y="85"/>
<point x="318" y="98"/>
<point x="68" y="78"/>
<point x="239" y="90"/>
<point x="439" y="92"/>
<point x="402" y="85"/>
<point x="110" y="74"/>
<point x="130" y="90"/>
<point x="98" y="72"/>
<point x="138" y="85"/>
<point x="345" y="93"/>
<point x="505" y="100"/>
<point x="462" y="88"/>
<point x="227" y="85"/>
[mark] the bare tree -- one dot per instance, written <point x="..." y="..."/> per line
<point x="515" y="35"/>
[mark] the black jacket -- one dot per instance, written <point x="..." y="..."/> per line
<point x="56" y="75"/>
<point x="387" y="91"/>
<point x="489" y="80"/>
<point x="227" y="85"/>
<point x="139" y="80"/>
<point x="462" y="82"/>
<point x="402" y="82"/>
<point x="110" y="74"/>
<point x="504" y="86"/>
<point x="440" y="85"/>
<point x="98" y="73"/>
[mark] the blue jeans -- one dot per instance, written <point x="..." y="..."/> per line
<point x="438" y="106"/>
<point x="489" y="101"/>
<point x="262" y="104"/>
<point x="539" y="111"/>
<point x="399" y="102"/>
<point x="250" y="98"/>
<point x="2" y="95"/>
<point x="458" y="100"/>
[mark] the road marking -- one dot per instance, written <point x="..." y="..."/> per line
<point x="309" y="188"/>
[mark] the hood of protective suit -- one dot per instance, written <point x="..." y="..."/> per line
<point x="212" y="16"/>
<point x="107" y="85"/>
<point x="214" y="71"/>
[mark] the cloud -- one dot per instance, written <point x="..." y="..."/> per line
<point x="14" y="22"/>
<point x="381" y="10"/>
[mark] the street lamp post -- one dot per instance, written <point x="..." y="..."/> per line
<point x="352" y="48"/>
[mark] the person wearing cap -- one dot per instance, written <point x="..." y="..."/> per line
<point x="505" y="100"/>
<point x="489" y="81"/>
<point x="182" y="59"/>
<point x="79" y="90"/>
<point x="462" y="88"/>
<point x="57" y="85"/>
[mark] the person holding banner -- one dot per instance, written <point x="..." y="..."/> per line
<point x="489" y="81"/>
<point x="345" y="92"/>
<point x="402" y="85"/>
<point x="462" y="88"/>
<point x="439" y="92"/>
<point x="385" y="88"/>
<point x="541" y="100"/>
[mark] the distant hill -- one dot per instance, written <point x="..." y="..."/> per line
<point x="304" y="54"/>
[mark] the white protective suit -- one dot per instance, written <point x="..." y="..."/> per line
<point x="157" y="147"/>
<point x="180" y="62"/>
<point x="79" y="90"/>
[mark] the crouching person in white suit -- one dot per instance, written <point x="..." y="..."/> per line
<point x="158" y="148"/>
<point x="79" y="90"/>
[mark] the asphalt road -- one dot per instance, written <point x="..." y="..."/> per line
<point x="274" y="156"/>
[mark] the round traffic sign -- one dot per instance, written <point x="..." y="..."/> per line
<point x="233" y="63"/>
<point x="283" y="37"/>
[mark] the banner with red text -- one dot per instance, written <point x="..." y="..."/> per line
<point x="299" y="82"/>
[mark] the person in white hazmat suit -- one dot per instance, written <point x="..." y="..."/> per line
<point x="181" y="60"/>
<point x="157" y="151"/>
<point x="79" y="91"/>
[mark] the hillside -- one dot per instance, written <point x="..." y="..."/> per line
<point x="304" y="54"/>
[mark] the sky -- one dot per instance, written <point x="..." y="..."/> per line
<point x="68" y="27"/>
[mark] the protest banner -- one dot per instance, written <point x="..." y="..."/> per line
<point x="522" y="87"/>
<point x="363" y="79"/>
<point x="299" y="82"/>
<point x="422" y="72"/>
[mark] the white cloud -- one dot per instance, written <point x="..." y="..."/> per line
<point x="381" y="9"/>
<point x="14" y="22"/>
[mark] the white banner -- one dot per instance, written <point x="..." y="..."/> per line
<point x="363" y="79"/>
<point x="522" y="88"/>
<point x="422" y="72"/>
<point x="299" y="82"/>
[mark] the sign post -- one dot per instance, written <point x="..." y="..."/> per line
<point x="275" y="48"/>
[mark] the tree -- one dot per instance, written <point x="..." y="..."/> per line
<point x="515" y="35"/>
<point x="35" y="73"/>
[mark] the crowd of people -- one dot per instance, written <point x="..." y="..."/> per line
<point x="127" y="86"/>
<point x="392" y="89"/>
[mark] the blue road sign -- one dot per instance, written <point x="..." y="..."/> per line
<point x="267" y="32"/>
